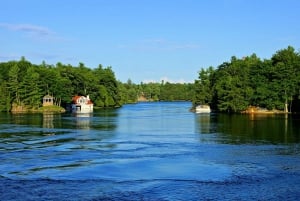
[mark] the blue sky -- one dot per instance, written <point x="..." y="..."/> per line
<point x="146" y="40"/>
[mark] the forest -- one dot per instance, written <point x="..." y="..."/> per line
<point x="234" y="86"/>
<point x="25" y="84"/>
<point x="163" y="91"/>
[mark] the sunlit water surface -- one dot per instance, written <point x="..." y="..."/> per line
<point x="149" y="151"/>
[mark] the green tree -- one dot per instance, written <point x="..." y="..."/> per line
<point x="232" y="86"/>
<point x="128" y="92"/>
<point x="203" y="87"/>
<point x="13" y="84"/>
<point x="30" y="91"/>
<point x="5" y="99"/>
<point x="286" y="65"/>
<point x="105" y="79"/>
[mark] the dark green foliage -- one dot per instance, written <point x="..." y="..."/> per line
<point x="156" y="91"/>
<point x="240" y="83"/>
<point x="25" y="84"/>
<point x="203" y="91"/>
<point x="176" y="91"/>
<point x="30" y="91"/>
<point x="108" y="91"/>
<point x="5" y="97"/>
<point x="128" y="92"/>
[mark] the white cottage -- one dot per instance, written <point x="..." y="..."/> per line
<point x="82" y="104"/>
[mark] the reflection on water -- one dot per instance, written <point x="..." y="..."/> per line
<point x="100" y="119"/>
<point x="48" y="120"/>
<point x="203" y="123"/>
<point x="26" y="119"/>
<point x="258" y="128"/>
<point x="83" y="121"/>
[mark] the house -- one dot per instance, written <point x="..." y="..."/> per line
<point x="82" y="104"/>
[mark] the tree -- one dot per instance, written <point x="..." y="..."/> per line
<point x="128" y="92"/>
<point x="105" y="81"/>
<point x="203" y="86"/>
<point x="13" y="83"/>
<point x="286" y="66"/>
<point x="30" y="92"/>
<point x="5" y="99"/>
<point x="230" y="85"/>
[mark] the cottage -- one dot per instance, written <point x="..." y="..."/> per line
<point x="82" y="104"/>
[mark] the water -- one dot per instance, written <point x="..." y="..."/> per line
<point x="149" y="151"/>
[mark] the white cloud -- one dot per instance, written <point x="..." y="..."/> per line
<point x="34" y="31"/>
<point x="28" y="28"/>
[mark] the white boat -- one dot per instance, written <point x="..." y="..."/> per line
<point x="202" y="109"/>
<point x="82" y="104"/>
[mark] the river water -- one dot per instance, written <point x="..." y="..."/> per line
<point x="149" y="151"/>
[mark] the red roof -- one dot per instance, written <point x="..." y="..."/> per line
<point x="75" y="98"/>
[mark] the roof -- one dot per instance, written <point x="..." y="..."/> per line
<point x="75" y="98"/>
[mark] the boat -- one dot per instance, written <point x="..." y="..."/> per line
<point x="202" y="109"/>
<point x="82" y="104"/>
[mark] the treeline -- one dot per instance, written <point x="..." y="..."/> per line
<point x="157" y="91"/>
<point x="23" y="84"/>
<point x="234" y="86"/>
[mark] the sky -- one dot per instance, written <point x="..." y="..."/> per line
<point x="146" y="40"/>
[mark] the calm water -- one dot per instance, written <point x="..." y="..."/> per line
<point x="149" y="151"/>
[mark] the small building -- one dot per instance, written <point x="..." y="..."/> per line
<point x="48" y="100"/>
<point x="82" y="104"/>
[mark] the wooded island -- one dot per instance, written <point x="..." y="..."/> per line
<point x="234" y="86"/>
